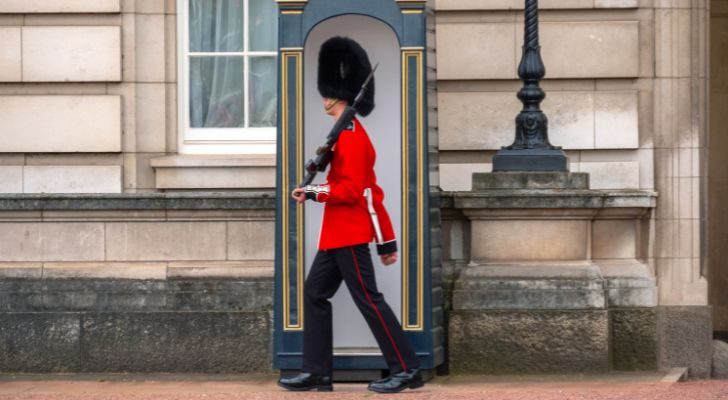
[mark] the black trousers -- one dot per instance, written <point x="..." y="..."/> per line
<point x="353" y="265"/>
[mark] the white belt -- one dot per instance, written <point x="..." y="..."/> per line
<point x="373" y="214"/>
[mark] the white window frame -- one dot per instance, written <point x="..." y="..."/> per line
<point x="216" y="140"/>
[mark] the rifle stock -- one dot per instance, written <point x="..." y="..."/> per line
<point x="325" y="153"/>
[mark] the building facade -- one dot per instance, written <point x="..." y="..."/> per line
<point x="138" y="172"/>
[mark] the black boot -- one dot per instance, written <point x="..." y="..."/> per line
<point x="306" y="381"/>
<point x="411" y="379"/>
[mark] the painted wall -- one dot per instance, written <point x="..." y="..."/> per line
<point x="383" y="126"/>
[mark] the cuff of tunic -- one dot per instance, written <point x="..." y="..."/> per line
<point x="387" y="247"/>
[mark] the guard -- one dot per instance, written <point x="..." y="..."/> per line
<point x="353" y="217"/>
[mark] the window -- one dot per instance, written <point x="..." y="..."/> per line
<point x="228" y="75"/>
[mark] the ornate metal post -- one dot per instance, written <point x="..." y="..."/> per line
<point x="531" y="150"/>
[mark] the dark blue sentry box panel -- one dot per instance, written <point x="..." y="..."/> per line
<point x="407" y="18"/>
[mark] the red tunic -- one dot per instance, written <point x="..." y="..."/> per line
<point x="347" y="220"/>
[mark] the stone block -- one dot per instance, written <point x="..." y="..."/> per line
<point x="20" y="242"/>
<point x="138" y="172"/>
<point x="21" y="270"/>
<point x="21" y="301"/>
<point x="57" y="124"/>
<point x="248" y="270"/>
<point x="10" y="54"/>
<point x="72" y="179"/>
<point x="172" y="241"/>
<point x="577" y="120"/>
<point x="171" y="49"/>
<point x="251" y="240"/>
<point x="231" y="342"/>
<point x="612" y="175"/>
<point x="150" y="48"/>
<point x="614" y="239"/>
<point x="616" y="120"/>
<point x="452" y="5"/>
<point x="616" y="3"/>
<point x="71" y="241"/>
<point x="150" y="6"/>
<point x="97" y="270"/>
<point x="476" y="120"/>
<point x="686" y="339"/>
<point x="104" y="296"/>
<point x="11" y="179"/>
<point x="261" y="177"/>
<point x="77" y="54"/>
<point x="634" y="339"/>
<point x="607" y="49"/>
<point x="40" y="342"/>
<point x="720" y="360"/>
<point x="571" y="119"/>
<point x="516" y="342"/>
<point x="491" y="50"/>
<point x="551" y="287"/>
<point x="60" y="6"/>
<point x="235" y="295"/>
<point x="530" y="180"/>
<point x="459" y="177"/>
<point x="502" y="240"/>
<point x="150" y="114"/>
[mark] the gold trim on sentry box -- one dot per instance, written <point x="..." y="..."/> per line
<point x="407" y="55"/>
<point x="286" y="56"/>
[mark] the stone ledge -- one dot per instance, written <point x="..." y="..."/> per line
<point x="532" y="287"/>
<point x="509" y="180"/>
<point x="549" y="199"/>
<point x="70" y="291"/>
<point x="139" y="201"/>
<point x="243" y="160"/>
<point x="159" y="271"/>
<point x="576" y="286"/>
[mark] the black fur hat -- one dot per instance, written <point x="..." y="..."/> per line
<point x="343" y="68"/>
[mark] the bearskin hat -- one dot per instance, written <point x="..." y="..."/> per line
<point x="343" y="68"/>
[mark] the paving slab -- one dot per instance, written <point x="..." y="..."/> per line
<point x="611" y="386"/>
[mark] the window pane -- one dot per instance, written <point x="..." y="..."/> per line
<point x="216" y="92"/>
<point x="217" y="25"/>
<point x="263" y="25"/>
<point x="262" y="91"/>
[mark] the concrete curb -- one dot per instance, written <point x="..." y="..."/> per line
<point x="675" y="375"/>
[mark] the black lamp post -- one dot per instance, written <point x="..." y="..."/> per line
<point x="531" y="150"/>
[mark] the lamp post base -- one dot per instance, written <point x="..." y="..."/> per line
<point x="530" y="160"/>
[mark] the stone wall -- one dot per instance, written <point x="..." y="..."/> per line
<point x="88" y="100"/>
<point x="626" y="86"/>
<point x="88" y="96"/>
<point x="599" y="62"/>
<point x="143" y="282"/>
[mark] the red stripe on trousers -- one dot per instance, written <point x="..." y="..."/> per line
<point x="356" y="263"/>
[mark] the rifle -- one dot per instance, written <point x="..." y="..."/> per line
<point x="324" y="153"/>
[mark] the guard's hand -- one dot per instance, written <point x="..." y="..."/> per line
<point x="389" y="259"/>
<point x="299" y="194"/>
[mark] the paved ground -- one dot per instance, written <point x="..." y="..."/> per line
<point x="233" y="387"/>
